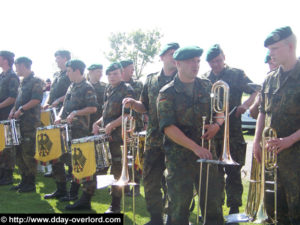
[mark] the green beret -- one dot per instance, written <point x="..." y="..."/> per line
<point x="268" y="57"/>
<point x="63" y="53"/>
<point x="167" y="47"/>
<point x="213" y="52"/>
<point x="187" y="53"/>
<point x="126" y="63"/>
<point x="76" y="64"/>
<point x="114" y="66"/>
<point x="24" y="60"/>
<point x="278" y="35"/>
<point x="7" y="55"/>
<point x="95" y="67"/>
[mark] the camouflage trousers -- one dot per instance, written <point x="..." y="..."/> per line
<point x="182" y="180"/>
<point x="153" y="179"/>
<point x="8" y="159"/>
<point x="233" y="184"/>
<point x="25" y="155"/>
<point x="288" y="194"/>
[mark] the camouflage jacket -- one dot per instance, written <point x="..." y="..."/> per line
<point x="137" y="88"/>
<point x="281" y="100"/>
<point x="79" y="96"/>
<point x="59" y="87"/>
<point x="153" y="84"/>
<point x="99" y="89"/>
<point x="112" y="108"/>
<point x="9" y="83"/>
<point x="238" y="84"/>
<point x="176" y="107"/>
<point x="30" y="88"/>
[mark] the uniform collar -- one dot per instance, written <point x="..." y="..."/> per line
<point x="80" y="83"/>
<point x="28" y="78"/>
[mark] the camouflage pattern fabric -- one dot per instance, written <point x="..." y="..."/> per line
<point x="176" y="107"/>
<point x="79" y="96"/>
<point x="9" y="84"/>
<point x="99" y="89"/>
<point x="112" y="110"/>
<point x="281" y="105"/>
<point x="59" y="87"/>
<point x="154" y="156"/>
<point x="31" y="88"/>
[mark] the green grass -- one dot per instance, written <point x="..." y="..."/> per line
<point x="14" y="202"/>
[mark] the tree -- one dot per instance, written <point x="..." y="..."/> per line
<point x="138" y="45"/>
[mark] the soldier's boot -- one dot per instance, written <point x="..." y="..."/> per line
<point x="84" y="203"/>
<point x="234" y="209"/>
<point x="73" y="194"/>
<point x="61" y="191"/>
<point x="29" y="185"/>
<point x="7" y="177"/>
<point x="137" y="191"/>
<point x="21" y="184"/>
<point x="156" y="219"/>
<point x="114" y="206"/>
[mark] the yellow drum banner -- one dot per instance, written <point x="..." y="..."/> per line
<point x="45" y="118"/>
<point x="2" y="137"/>
<point x="48" y="145"/>
<point x="83" y="160"/>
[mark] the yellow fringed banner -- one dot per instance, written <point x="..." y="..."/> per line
<point x="2" y="138"/>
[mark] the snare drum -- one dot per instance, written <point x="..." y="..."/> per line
<point x="100" y="155"/>
<point x="10" y="133"/>
<point x="48" y="117"/>
<point x="51" y="142"/>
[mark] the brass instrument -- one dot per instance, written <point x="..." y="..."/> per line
<point x="127" y="135"/>
<point x="268" y="162"/>
<point x="219" y="104"/>
<point x="255" y="208"/>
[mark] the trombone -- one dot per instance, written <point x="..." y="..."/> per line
<point x="127" y="135"/>
<point x="219" y="104"/>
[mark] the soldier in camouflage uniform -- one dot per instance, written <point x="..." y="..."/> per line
<point x="80" y="101"/>
<point x="154" y="156"/>
<point x="181" y="104"/>
<point x="27" y="109"/>
<point x="111" y="119"/>
<point x="280" y="110"/>
<point x="94" y="76"/>
<point x="238" y="84"/>
<point x="61" y="81"/>
<point x="139" y="125"/>
<point x="9" y="83"/>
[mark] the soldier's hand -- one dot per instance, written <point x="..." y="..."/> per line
<point x="55" y="103"/>
<point x="45" y="107"/>
<point x="109" y="128"/>
<point x="11" y="115"/>
<point x="212" y="130"/>
<point x="57" y="121"/>
<point x="278" y="144"/>
<point x="128" y="102"/>
<point x="17" y="114"/>
<point x="240" y="110"/>
<point x="202" y="153"/>
<point x="70" y="117"/>
<point x="95" y="129"/>
<point x="257" y="152"/>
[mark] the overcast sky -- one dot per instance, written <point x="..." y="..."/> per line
<point x="37" y="28"/>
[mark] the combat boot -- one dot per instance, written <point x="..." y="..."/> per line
<point x="1" y="173"/>
<point x="29" y="185"/>
<point x="21" y="184"/>
<point x="115" y="206"/>
<point x="156" y="219"/>
<point x="61" y="191"/>
<point x="73" y="194"/>
<point x="84" y="203"/>
<point x="7" y="177"/>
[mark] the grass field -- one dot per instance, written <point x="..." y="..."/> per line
<point x="27" y="203"/>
